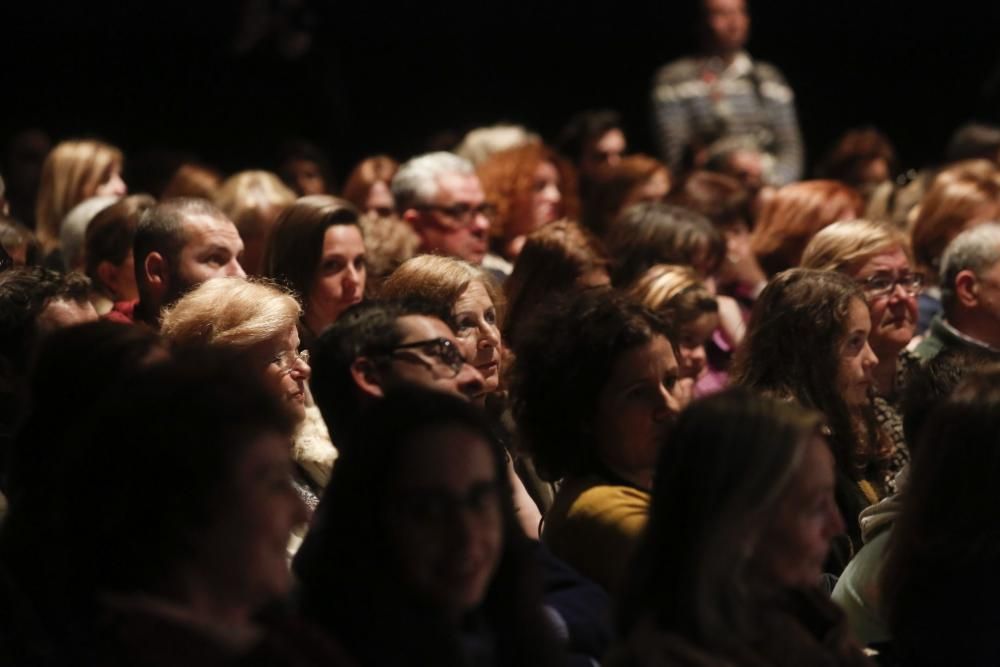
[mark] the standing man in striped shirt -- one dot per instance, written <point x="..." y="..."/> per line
<point x="722" y="95"/>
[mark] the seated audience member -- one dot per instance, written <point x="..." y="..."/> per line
<point x="440" y="196"/>
<point x="793" y="215"/>
<point x="178" y="245"/>
<point x="388" y="243"/>
<point x="726" y="204"/>
<point x="807" y="341"/>
<point x="317" y="250"/>
<point x="470" y="296"/>
<point x="19" y="243"/>
<point x="960" y="197"/>
<point x="74" y="229"/>
<point x="304" y="168"/>
<point x="480" y="143"/>
<point x="676" y="294"/>
<point x="367" y="186"/>
<point x="259" y="322"/>
<point x="858" y="590"/>
<point x="974" y="141"/>
<point x="530" y="186"/>
<point x="970" y="278"/>
<point x="878" y="257"/>
<point x="655" y="233"/>
<point x="416" y="540"/>
<point x="940" y="582"/>
<point x="108" y="258"/>
<point x="74" y="171"/>
<point x="862" y="158"/>
<point x="34" y="302"/>
<point x="593" y="141"/>
<point x="633" y="180"/>
<point x="594" y="411"/>
<point x="198" y="538"/>
<point x="561" y="256"/>
<point x="192" y="179"/>
<point x="728" y="571"/>
<point x="253" y="200"/>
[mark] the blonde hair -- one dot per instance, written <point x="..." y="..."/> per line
<point x="247" y="196"/>
<point x="440" y="280"/>
<point x="850" y="242"/>
<point x="675" y="292"/>
<point x="71" y="173"/>
<point x="231" y="312"/>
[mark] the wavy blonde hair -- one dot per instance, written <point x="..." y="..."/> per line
<point x="846" y="244"/>
<point x="440" y="280"/>
<point x="71" y="173"/>
<point x="231" y="312"/>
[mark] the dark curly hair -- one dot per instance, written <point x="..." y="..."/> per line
<point x="564" y="356"/>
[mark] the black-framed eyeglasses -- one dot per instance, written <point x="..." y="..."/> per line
<point x="286" y="360"/>
<point x="463" y="215"/>
<point x="882" y="284"/>
<point x="441" y="349"/>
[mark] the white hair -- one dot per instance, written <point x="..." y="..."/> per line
<point x="976" y="250"/>
<point x="74" y="229"/>
<point x="483" y="142"/>
<point x="416" y="182"/>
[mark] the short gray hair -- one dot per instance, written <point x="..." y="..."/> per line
<point x="416" y="182"/>
<point x="975" y="250"/>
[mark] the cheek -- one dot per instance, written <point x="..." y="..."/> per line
<point x="468" y="345"/>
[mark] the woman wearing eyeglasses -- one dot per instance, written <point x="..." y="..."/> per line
<point x="879" y="259"/>
<point x="258" y="321"/>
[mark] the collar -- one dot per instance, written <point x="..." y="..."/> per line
<point x="741" y="66"/>
<point x="969" y="340"/>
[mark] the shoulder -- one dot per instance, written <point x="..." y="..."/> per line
<point x="649" y="646"/>
<point x="768" y="72"/>
<point x="592" y="501"/>
<point x="677" y="71"/>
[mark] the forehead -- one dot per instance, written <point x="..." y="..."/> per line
<point x="612" y="141"/>
<point x="475" y="297"/>
<point x="655" y="357"/>
<point x="205" y="229"/>
<point x="858" y="316"/>
<point x="422" y="327"/>
<point x="723" y="6"/>
<point x="892" y="260"/>
<point x="455" y="188"/>
<point x="343" y="237"/>
<point x="449" y="456"/>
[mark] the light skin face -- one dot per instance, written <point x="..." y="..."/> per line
<point x="212" y="250"/>
<point x="61" y="313"/>
<point x="478" y="333"/>
<point x="340" y="277"/>
<point x="445" y="518"/>
<point x="415" y="367"/>
<point x="856" y="359"/>
<point x="308" y="179"/>
<point x="284" y="373"/>
<point x="545" y="195"/>
<point x="728" y="25"/>
<point x="691" y="341"/>
<point x="605" y="152"/>
<point x="441" y="233"/>
<point x="380" y="200"/>
<point x="637" y="408"/>
<point x="654" y="189"/>
<point x="114" y="186"/>
<point x="794" y="545"/>
<point x="893" y="315"/>
<point x="119" y="280"/>
<point x="245" y="553"/>
<point x="977" y="309"/>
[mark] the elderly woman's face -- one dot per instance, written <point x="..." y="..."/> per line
<point x="792" y="548"/>
<point x="285" y="372"/>
<point x="478" y="332"/>
<point x="893" y="313"/>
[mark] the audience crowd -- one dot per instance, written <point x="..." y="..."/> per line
<point x="529" y="401"/>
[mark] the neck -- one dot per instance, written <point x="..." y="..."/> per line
<point x="975" y="326"/>
<point x="885" y="372"/>
<point x="641" y="478"/>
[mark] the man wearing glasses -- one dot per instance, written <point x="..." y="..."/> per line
<point x="441" y="198"/>
<point x="970" y="296"/>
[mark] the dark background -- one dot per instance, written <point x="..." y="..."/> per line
<point x="387" y="76"/>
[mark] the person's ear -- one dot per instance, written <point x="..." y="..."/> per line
<point x="367" y="377"/>
<point x="967" y="289"/>
<point x="156" y="270"/>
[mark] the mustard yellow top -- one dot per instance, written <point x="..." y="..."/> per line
<point x="594" y="526"/>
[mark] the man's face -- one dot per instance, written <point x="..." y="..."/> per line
<point x="424" y="366"/>
<point x="453" y="223"/>
<point x="606" y="151"/>
<point x="987" y="290"/>
<point x="727" y="24"/>
<point x="212" y="250"/>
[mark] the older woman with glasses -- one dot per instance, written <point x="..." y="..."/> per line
<point x="879" y="259"/>
<point x="258" y="322"/>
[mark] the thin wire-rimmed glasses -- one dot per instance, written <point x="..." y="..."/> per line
<point x="286" y="361"/>
<point x="441" y="349"/>
<point x="883" y="284"/>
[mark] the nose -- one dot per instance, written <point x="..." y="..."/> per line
<point x="668" y="407"/>
<point x="870" y="359"/>
<point x="301" y="368"/>
<point x="481" y="222"/>
<point x="552" y="193"/>
<point x="119" y="187"/>
<point x="470" y="381"/>
<point x="235" y="269"/>
<point x="490" y="336"/>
